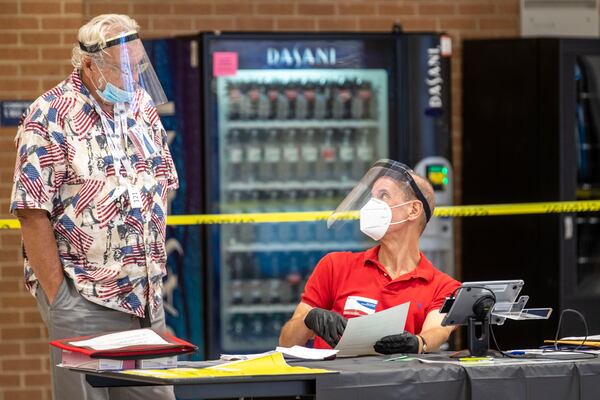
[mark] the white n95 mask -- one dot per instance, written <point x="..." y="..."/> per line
<point x="376" y="218"/>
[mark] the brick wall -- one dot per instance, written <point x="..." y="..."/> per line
<point x="35" y="43"/>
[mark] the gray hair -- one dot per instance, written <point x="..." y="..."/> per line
<point x="98" y="31"/>
<point x="426" y="189"/>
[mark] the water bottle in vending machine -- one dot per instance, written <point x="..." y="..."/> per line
<point x="254" y="97"/>
<point x="233" y="100"/>
<point x="257" y="327"/>
<point x="341" y="101"/>
<point x="246" y="108"/>
<point x="372" y="101"/>
<point x="320" y="109"/>
<point x="237" y="326"/>
<point x="365" y="153"/>
<point x="271" y="155"/>
<point x="363" y="101"/>
<point x="253" y="157"/>
<point x="237" y="275"/>
<point x="288" y="166"/>
<point x="283" y="104"/>
<point x="357" y="104"/>
<point x="309" y="154"/>
<point x="263" y="104"/>
<point x="254" y="279"/>
<point x="309" y="95"/>
<point x="301" y="104"/>
<point x="232" y="205"/>
<point x="247" y="231"/>
<point x="293" y="278"/>
<point x="275" y="279"/>
<point x="234" y="155"/>
<point x="272" y="95"/>
<point x="291" y="92"/>
<point x="338" y="101"/>
<point x="343" y="164"/>
<point x="305" y="231"/>
<point x="287" y="229"/>
<point x="327" y="157"/>
<point x="266" y="230"/>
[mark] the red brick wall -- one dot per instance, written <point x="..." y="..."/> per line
<point x="36" y="37"/>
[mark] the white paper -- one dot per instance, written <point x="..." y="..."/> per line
<point x="122" y="339"/>
<point x="591" y="338"/>
<point x="306" y="353"/>
<point x="236" y="357"/>
<point x="361" y="333"/>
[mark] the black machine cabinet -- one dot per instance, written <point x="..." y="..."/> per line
<point x="531" y="133"/>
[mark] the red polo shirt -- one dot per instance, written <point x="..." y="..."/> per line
<point x="354" y="284"/>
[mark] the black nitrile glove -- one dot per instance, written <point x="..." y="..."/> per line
<point x="405" y="342"/>
<point x="326" y="324"/>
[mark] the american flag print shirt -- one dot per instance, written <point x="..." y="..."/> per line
<point x="113" y="252"/>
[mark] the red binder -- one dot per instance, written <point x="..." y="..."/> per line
<point x="174" y="346"/>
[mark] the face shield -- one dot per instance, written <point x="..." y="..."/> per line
<point x="125" y="69"/>
<point x="385" y="181"/>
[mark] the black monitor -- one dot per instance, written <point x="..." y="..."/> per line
<point x="473" y="305"/>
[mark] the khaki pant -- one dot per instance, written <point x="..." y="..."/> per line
<point x="72" y="315"/>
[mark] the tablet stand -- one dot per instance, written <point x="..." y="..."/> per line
<point x="478" y="332"/>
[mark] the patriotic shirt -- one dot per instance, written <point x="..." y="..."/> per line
<point x="113" y="252"/>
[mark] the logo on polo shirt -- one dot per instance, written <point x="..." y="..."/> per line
<point x="356" y="305"/>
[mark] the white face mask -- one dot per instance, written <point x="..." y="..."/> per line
<point x="376" y="218"/>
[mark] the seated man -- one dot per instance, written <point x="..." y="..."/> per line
<point x="395" y="205"/>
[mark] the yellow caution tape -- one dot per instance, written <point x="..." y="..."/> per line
<point x="448" y="211"/>
<point x="518" y="208"/>
<point x="255" y="218"/>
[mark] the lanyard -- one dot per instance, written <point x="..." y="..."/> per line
<point x="114" y="137"/>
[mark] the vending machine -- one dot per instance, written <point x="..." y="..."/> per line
<point x="290" y="123"/>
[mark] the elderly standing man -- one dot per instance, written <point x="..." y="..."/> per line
<point x="90" y="186"/>
<point x="395" y="205"/>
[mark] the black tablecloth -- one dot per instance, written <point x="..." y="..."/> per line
<point x="371" y="378"/>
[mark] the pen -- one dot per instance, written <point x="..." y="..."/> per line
<point x="474" y="359"/>
<point x="396" y="358"/>
<point x="516" y="352"/>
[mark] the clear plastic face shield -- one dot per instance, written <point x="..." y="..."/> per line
<point x="125" y="70"/>
<point x="374" y="197"/>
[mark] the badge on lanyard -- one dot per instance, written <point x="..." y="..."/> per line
<point x="135" y="198"/>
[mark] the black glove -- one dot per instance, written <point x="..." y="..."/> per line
<point x="405" y="342"/>
<point x="326" y="324"/>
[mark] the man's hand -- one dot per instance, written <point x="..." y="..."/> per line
<point x="41" y="249"/>
<point x="326" y="324"/>
<point x="405" y="342"/>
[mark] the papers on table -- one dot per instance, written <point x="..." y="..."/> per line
<point x="590" y="341"/>
<point x="361" y="333"/>
<point x="306" y="353"/>
<point x="299" y="352"/>
<point x="236" y="357"/>
<point x="137" y="337"/>
<point x="545" y="358"/>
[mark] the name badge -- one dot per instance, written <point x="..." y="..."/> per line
<point x="356" y="305"/>
<point x="135" y="197"/>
